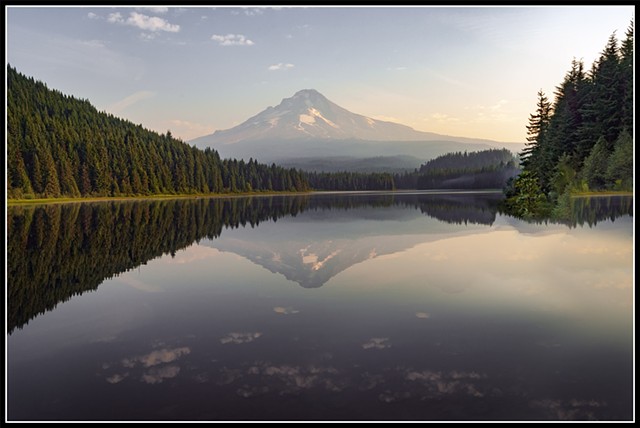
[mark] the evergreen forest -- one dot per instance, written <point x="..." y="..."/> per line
<point x="485" y="169"/>
<point x="60" y="146"/>
<point x="582" y="142"/>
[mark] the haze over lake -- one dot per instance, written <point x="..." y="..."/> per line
<point x="356" y="306"/>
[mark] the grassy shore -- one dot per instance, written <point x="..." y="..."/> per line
<point x="228" y="195"/>
<point x="145" y="197"/>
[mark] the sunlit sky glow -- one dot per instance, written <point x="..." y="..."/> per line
<point x="463" y="71"/>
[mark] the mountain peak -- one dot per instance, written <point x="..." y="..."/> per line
<point x="308" y="116"/>
<point x="307" y="93"/>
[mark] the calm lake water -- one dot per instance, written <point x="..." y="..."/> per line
<point x="385" y="306"/>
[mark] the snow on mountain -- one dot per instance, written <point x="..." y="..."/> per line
<point x="309" y="125"/>
<point x="308" y="114"/>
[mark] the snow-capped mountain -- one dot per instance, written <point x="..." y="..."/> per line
<point x="318" y="244"/>
<point x="308" y="125"/>
<point x="309" y="114"/>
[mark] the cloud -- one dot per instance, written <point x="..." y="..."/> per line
<point x="285" y="311"/>
<point x="115" y="18"/>
<point x="147" y="36"/>
<point x="151" y="23"/>
<point x="232" y="40"/>
<point x="144" y="22"/>
<point x="158" y="375"/>
<point x="238" y="338"/>
<point x="454" y="382"/>
<point x="280" y="66"/>
<point x="116" y="378"/>
<point x="253" y="11"/>
<point x="495" y="112"/>
<point x="93" y="43"/>
<point x="393" y="397"/>
<point x="118" y="106"/>
<point x="157" y="357"/>
<point x="92" y="15"/>
<point x="251" y="391"/>
<point x="422" y="315"/>
<point x="157" y="9"/>
<point x="573" y="409"/>
<point x="293" y="379"/>
<point x="443" y="118"/>
<point x="377" y="343"/>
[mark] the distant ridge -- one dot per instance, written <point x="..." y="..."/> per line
<point x="308" y="126"/>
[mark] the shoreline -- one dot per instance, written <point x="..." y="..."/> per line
<point x="45" y="201"/>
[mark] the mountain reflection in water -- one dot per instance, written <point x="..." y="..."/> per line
<point x="57" y="251"/>
<point x="381" y="306"/>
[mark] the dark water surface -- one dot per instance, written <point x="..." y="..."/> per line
<point x="395" y="306"/>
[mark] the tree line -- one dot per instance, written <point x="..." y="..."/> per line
<point x="58" y="145"/>
<point x="484" y="169"/>
<point x="583" y="140"/>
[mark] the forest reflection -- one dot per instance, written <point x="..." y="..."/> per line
<point x="57" y="251"/>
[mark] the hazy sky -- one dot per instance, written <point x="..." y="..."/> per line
<point x="463" y="71"/>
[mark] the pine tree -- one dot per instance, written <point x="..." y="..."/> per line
<point x="536" y="131"/>
<point x="626" y="74"/>
<point x="595" y="165"/>
<point x="619" y="173"/>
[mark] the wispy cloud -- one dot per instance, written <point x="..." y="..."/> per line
<point x="159" y="374"/>
<point x="151" y="23"/>
<point x="280" y="66"/>
<point x="377" y="343"/>
<point x="454" y="382"/>
<point x="115" y="17"/>
<point x="92" y="15"/>
<point x="147" y="36"/>
<point x="144" y="22"/>
<point x="253" y="11"/>
<point x="158" y="9"/>
<point x="442" y="118"/>
<point x="293" y="379"/>
<point x="157" y="357"/>
<point x="232" y="40"/>
<point x="116" y="378"/>
<point x="285" y="311"/>
<point x="573" y="409"/>
<point x="118" y="106"/>
<point x="238" y="338"/>
<point x="154" y="365"/>
<point x="490" y="113"/>
<point x="422" y="315"/>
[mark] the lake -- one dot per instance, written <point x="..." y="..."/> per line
<point x="417" y="306"/>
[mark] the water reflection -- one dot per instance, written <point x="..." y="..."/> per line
<point x="57" y="251"/>
<point x="484" y="317"/>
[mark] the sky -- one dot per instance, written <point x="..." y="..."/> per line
<point x="461" y="71"/>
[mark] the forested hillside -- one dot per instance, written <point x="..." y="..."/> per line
<point x="484" y="169"/>
<point x="58" y="145"/>
<point x="583" y="141"/>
